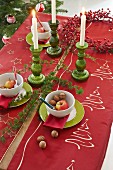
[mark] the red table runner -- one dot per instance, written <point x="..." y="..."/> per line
<point x="17" y="54"/>
<point x="82" y="146"/>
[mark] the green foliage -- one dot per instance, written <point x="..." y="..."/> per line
<point x="2" y="139"/>
<point x="47" y="5"/>
<point x="20" y="10"/>
<point x="15" y="8"/>
<point x="14" y="125"/>
<point x="47" y="87"/>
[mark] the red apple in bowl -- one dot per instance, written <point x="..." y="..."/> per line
<point x="44" y="32"/>
<point x="70" y="100"/>
<point x="8" y="80"/>
<point x="41" y="29"/>
<point x="62" y="105"/>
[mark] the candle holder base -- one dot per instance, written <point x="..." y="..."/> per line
<point x="54" y="52"/>
<point x="81" y="74"/>
<point x="36" y="81"/>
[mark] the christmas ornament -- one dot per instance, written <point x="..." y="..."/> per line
<point x="5" y="39"/>
<point x="40" y="7"/>
<point x="10" y="19"/>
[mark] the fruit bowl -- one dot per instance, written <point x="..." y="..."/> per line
<point x="10" y="92"/>
<point x="69" y="99"/>
<point x="43" y="35"/>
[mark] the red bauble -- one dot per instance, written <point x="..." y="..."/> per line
<point x="11" y="19"/>
<point x="5" y="39"/>
<point x="40" y="7"/>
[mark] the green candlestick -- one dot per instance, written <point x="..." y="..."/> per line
<point x="80" y="74"/>
<point x="54" y="50"/>
<point x="36" y="78"/>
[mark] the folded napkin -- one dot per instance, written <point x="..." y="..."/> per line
<point x="56" y="122"/>
<point x="4" y="101"/>
<point x="43" y="41"/>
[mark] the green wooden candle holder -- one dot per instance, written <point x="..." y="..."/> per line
<point x="36" y="78"/>
<point x="54" y="50"/>
<point x="80" y="74"/>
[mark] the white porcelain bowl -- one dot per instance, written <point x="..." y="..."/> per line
<point x="44" y="35"/>
<point x="13" y="91"/>
<point x="69" y="98"/>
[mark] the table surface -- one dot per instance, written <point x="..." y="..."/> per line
<point x="75" y="6"/>
<point x="84" y="144"/>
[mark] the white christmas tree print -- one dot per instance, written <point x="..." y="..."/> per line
<point x="94" y="101"/>
<point x="81" y="137"/>
<point x="103" y="72"/>
<point x="71" y="166"/>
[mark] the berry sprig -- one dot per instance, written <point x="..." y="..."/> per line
<point x="69" y="33"/>
<point x="98" y="15"/>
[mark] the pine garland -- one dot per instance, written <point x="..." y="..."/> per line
<point x="50" y="80"/>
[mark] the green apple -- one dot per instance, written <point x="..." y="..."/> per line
<point x="9" y="84"/>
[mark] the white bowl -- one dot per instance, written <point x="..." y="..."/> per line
<point x="69" y="98"/>
<point x="13" y="91"/>
<point x="44" y="35"/>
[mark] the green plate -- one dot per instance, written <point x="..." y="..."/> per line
<point x="79" y="114"/>
<point x="27" y="88"/>
<point x="30" y="42"/>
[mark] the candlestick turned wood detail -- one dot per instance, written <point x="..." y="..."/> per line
<point x="80" y="74"/>
<point x="36" y="78"/>
<point x="54" y="50"/>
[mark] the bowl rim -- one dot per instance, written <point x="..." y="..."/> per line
<point x="12" y="87"/>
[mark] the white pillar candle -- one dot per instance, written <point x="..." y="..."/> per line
<point x="34" y="30"/>
<point x="83" y="26"/>
<point x="53" y="9"/>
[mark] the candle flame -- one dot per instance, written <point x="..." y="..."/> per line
<point x="33" y="13"/>
<point x="83" y="11"/>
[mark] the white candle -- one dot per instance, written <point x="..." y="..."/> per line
<point x="53" y="9"/>
<point x="34" y="30"/>
<point x="82" y="30"/>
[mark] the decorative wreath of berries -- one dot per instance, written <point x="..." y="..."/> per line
<point x="70" y="31"/>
